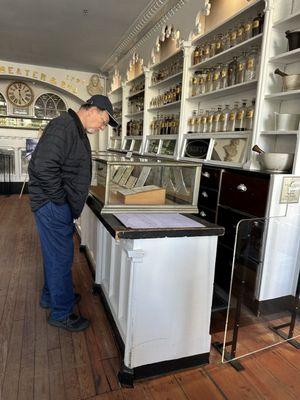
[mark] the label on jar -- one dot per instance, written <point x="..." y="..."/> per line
<point x="247" y="27"/>
<point x="233" y="35"/>
<point x="224" y="73"/>
<point x="203" y="120"/>
<point x="216" y="117"/>
<point x="240" y="67"/>
<point x="218" y="45"/>
<point x="216" y="77"/>
<point x="232" y="116"/>
<point x="255" y="23"/>
<point x="240" y="115"/>
<point x="250" y="63"/>
<point x="209" y="119"/>
<point x="222" y="117"/>
<point x="249" y="114"/>
<point x="240" y="32"/>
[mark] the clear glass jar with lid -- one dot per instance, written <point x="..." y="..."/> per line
<point x="251" y="65"/>
<point x="240" y="32"/>
<point x="249" y="118"/>
<point x="241" y="68"/>
<point x="232" y="70"/>
<point x="224" y="117"/>
<point x="232" y="117"/>
<point x="240" y="117"/>
<point x="224" y="76"/>
<point x="217" y="77"/>
<point x="216" y="119"/>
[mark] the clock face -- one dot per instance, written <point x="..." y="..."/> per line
<point x="19" y="94"/>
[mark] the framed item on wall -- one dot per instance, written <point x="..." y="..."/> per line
<point x="231" y="150"/>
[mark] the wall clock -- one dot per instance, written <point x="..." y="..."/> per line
<point x="19" y="94"/>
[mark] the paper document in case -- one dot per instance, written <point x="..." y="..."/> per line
<point x="157" y="221"/>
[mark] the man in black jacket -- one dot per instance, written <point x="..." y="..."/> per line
<point x="60" y="172"/>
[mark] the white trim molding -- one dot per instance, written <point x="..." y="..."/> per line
<point x="156" y="14"/>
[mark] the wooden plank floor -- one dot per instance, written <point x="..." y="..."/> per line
<point x="41" y="362"/>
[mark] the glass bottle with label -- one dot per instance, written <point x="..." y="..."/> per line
<point x="212" y="50"/>
<point x="219" y="43"/>
<point x="255" y="25"/>
<point x="248" y="30"/>
<point x="206" y="51"/>
<point x="224" y="76"/>
<point x="249" y="118"/>
<point x="224" y="117"/>
<point x="216" y="119"/>
<point x="240" y="32"/>
<point x="232" y="118"/>
<point x="196" y="55"/>
<point x="193" y="85"/>
<point x="232" y="70"/>
<point x="204" y="121"/>
<point x="226" y="41"/>
<point x="261" y="17"/>
<point x="233" y="36"/>
<point x="209" y="80"/>
<point x="210" y="120"/>
<point x="251" y="65"/>
<point x="240" y="117"/>
<point x="241" y="67"/>
<point x="191" y="122"/>
<point x="217" y="77"/>
<point x="200" y="120"/>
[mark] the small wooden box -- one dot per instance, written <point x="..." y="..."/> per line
<point x="152" y="195"/>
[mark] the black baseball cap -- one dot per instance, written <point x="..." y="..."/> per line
<point x="104" y="103"/>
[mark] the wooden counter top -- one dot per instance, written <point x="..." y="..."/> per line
<point x="119" y="231"/>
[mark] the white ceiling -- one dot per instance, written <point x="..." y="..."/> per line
<point x="58" y="33"/>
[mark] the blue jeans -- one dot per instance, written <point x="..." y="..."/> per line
<point x="55" y="227"/>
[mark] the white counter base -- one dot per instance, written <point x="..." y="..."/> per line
<point x="159" y="291"/>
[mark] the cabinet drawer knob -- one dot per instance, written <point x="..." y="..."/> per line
<point x="206" y="174"/>
<point x="202" y="213"/>
<point x="204" y="194"/>
<point x="242" y="188"/>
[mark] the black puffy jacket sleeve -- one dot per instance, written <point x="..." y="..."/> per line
<point x="48" y="159"/>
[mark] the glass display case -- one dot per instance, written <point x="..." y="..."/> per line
<point x="145" y="185"/>
<point x="23" y="122"/>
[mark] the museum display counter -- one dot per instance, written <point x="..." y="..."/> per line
<point x="157" y="286"/>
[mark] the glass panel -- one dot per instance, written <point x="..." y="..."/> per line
<point x="168" y="147"/>
<point x="137" y="145"/>
<point x="127" y="144"/>
<point x="264" y="287"/>
<point x="138" y="182"/>
<point x="153" y="146"/>
<point x="7" y="163"/>
<point x="196" y="148"/>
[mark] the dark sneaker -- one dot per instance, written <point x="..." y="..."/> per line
<point x="73" y="323"/>
<point x="46" y="305"/>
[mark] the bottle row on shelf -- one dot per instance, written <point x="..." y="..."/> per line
<point x="239" y="70"/>
<point x="134" y="127"/>
<point x="241" y="32"/>
<point x="172" y="68"/>
<point x="137" y="87"/>
<point x="136" y="105"/>
<point x="165" y="125"/>
<point x="169" y="96"/>
<point x="223" y="119"/>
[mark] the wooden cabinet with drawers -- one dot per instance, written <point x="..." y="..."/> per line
<point x="227" y="197"/>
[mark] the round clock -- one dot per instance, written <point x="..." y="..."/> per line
<point x="19" y="94"/>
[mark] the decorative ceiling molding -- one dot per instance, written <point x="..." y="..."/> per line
<point x="150" y="20"/>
